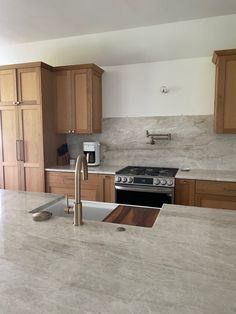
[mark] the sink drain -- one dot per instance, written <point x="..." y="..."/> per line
<point x="120" y="229"/>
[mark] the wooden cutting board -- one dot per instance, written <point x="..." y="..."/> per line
<point x="134" y="216"/>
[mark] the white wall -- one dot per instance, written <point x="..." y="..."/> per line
<point x="134" y="90"/>
<point x="188" y="39"/>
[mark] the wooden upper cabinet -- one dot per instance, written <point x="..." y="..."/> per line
<point x="225" y="91"/>
<point x="28" y="86"/>
<point x="81" y="101"/>
<point x="62" y="99"/>
<point x="8" y="93"/>
<point x="78" y="99"/>
<point x="20" y="86"/>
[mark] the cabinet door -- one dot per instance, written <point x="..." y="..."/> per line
<point x="96" y="103"/>
<point x="28" y="85"/>
<point x="9" y="170"/>
<point x="92" y="189"/>
<point x="62" y="102"/>
<point x="82" y="100"/>
<point x="32" y="171"/>
<point x="185" y="192"/>
<point x="8" y="94"/>
<point x="225" y="95"/>
<point x="216" y="201"/>
<point x="61" y="183"/>
<point x="108" y="188"/>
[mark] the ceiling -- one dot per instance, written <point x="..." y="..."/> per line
<point x="29" y="21"/>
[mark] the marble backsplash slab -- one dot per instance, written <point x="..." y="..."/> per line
<point x="193" y="144"/>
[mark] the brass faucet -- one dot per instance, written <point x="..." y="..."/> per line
<point x="81" y="162"/>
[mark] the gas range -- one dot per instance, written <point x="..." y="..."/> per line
<point x="146" y="176"/>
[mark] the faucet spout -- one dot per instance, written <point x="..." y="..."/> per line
<point x="81" y="163"/>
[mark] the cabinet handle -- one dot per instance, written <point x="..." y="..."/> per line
<point x="20" y="154"/>
<point x="230" y="190"/>
<point x="14" y="103"/>
<point x="22" y="151"/>
<point x="18" y="150"/>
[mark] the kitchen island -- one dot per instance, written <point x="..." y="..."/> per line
<point x="185" y="263"/>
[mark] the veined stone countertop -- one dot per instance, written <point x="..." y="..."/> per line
<point x="195" y="174"/>
<point x="185" y="264"/>
<point x="204" y="174"/>
<point x="98" y="169"/>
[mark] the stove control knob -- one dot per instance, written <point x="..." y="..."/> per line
<point x="156" y="181"/>
<point x="170" y="182"/>
<point x="163" y="181"/>
<point x="124" y="179"/>
<point x="118" y="179"/>
<point x="130" y="180"/>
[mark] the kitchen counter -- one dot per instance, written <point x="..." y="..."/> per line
<point x="98" y="169"/>
<point x="194" y="174"/>
<point x="185" y="264"/>
<point x="204" y="174"/>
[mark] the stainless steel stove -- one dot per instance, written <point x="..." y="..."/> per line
<point x="147" y="186"/>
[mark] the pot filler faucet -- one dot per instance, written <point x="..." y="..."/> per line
<point x="80" y="163"/>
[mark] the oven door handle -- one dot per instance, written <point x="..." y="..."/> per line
<point x="149" y="189"/>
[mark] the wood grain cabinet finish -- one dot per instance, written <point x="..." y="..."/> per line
<point x="78" y="99"/>
<point x="98" y="187"/>
<point x="203" y="193"/>
<point x="26" y="128"/>
<point x="216" y="194"/>
<point x="185" y="192"/>
<point x="108" y="188"/>
<point x="225" y="91"/>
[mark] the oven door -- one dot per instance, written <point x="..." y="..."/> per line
<point x="144" y="195"/>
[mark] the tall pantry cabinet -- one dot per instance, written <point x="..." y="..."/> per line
<point x="27" y="139"/>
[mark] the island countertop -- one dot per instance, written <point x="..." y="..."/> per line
<point x="185" y="264"/>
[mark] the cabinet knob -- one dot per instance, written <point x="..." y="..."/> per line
<point x="69" y="131"/>
<point x="73" y="131"/>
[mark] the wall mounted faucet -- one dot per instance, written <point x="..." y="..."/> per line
<point x="155" y="136"/>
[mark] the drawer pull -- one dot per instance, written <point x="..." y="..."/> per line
<point x="230" y="190"/>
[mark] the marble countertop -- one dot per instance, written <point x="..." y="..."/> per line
<point x="195" y="174"/>
<point x="205" y="174"/>
<point x="99" y="169"/>
<point x="185" y="264"/>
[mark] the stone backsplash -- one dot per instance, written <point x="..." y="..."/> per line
<point x="193" y="144"/>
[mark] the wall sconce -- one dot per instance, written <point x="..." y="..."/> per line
<point x="164" y="89"/>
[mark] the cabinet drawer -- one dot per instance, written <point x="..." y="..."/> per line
<point x="216" y="188"/>
<point x="93" y="179"/>
<point x="216" y="201"/>
<point x="60" y="179"/>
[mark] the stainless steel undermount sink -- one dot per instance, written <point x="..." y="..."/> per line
<point x="91" y="210"/>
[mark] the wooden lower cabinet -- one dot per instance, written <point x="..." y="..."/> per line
<point x="108" y="188"/>
<point x="185" y="192"/>
<point x="215" y="194"/>
<point x="215" y="201"/>
<point x="98" y="187"/>
<point x="203" y="193"/>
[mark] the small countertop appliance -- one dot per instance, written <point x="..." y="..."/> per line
<point x="92" y="153"/>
